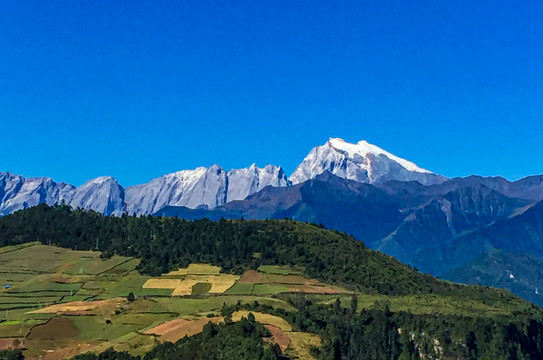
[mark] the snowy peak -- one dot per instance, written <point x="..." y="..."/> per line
<point x="362" y="162"/>
<point x="201" y="187"/>
<point x="364" y="148"/>
<point x="247" y="181"/>
<point x="103" y="195"/>
<point x="18" y="193"/>
<point x="212" y="186"/>
<point x="191" y="188"/>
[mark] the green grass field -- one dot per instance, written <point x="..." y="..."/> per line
<point x="280" y="270"/>
<point x="201" y="288"/>
<point x="97" y="328"/>
<point x="267" y="289"/>
<point x="45" y="275"/>
<point x="240" y="289"/>
<point x="41" y="275"/>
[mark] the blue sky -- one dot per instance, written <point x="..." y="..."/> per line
<point x="137" y="89"/>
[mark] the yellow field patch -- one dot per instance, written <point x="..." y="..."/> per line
<point x="162" y="283"/>
<point x="265" y="319"/>
<point x="183" y="287"/>
<point x="175" y="273"/>
<point x="301" y="344"/>
<point x="81" y="307"/>
<point x="179" y="328"/>
<point x="221" y="283"/>
<point x="197" y="269"/>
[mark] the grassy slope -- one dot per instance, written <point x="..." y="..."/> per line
<point x="164" y="244"/>
<point x="331" y="257"/>
<point x="121" y="326"/>
<point x="131" y="318"/>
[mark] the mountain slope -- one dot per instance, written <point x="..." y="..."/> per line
<point x="18" y="193"/>
<point x="331" y="201"/>
<point x="191" y="188"/>
<point x="247" y="181"/>
<point x="520" y="274"/>
<point x="362" y="162"/>
<point x="103" y="194"/>
<point x="520" y="234"/>
<point x="420" y="238"/>
<point x="232" y="244"/>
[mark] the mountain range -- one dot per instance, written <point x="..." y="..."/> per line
<point x="210" y="187"/>
<point x="484" y="230"/>
<point x="201" y="187"/>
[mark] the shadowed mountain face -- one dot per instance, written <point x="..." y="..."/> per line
<point x="519" y="273"/>
<point x="520" y="234"/>
<point x="440" y="228"/>
<point x="434" y="225"/>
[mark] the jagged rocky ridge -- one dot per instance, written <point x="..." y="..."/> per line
<point x="201" y="187"/>
<point x="213" y="186"/>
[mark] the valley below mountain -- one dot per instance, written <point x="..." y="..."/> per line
<point x="78" y="284"/>
<point x="437" y="229"/>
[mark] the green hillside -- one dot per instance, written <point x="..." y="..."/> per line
<point x="164" y="244"/>
<point x="78" y="282"/>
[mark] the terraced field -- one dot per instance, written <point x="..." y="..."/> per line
<point x="56" y="303"/>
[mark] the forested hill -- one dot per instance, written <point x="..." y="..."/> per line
<point x="164" y="244"/>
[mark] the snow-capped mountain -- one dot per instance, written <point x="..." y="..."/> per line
<point x="245" y="182"/>
<point x="18" y="193"/>
<point x="362" y="162"/>
<point x="201" y="187"/>
<point x="213" y="186"/>
<point x="191" y="188"/>
<point x="103" y="195"/>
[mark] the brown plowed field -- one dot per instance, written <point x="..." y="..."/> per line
<point x="279" y="337"/>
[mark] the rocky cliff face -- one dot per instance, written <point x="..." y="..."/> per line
<point x="18" y="193"/>
<point x="201" y="187"/>
<point x="244" y="182"/>
<point x="103" y="195"/>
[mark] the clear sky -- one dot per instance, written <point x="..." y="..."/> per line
<point x="137" y="89"/>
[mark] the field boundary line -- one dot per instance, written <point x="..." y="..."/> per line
<point x="23" y="246"/>
<point x="111" y="268"/>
